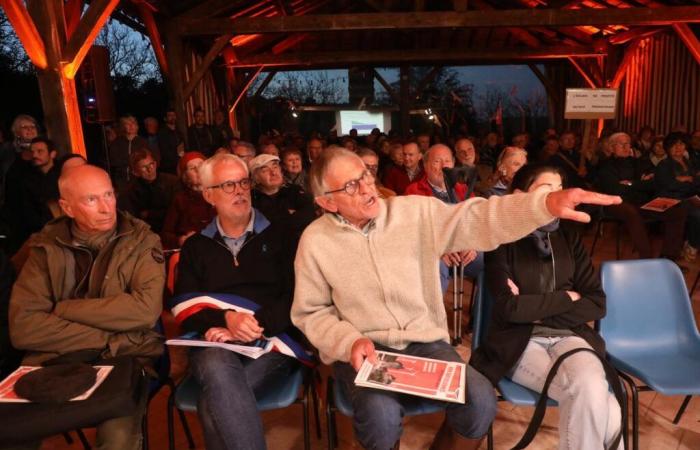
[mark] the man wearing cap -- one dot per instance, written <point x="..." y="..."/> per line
<point x="367" y="277"/>
<point x="278" y="201"/>
<point x="240" y="253"/>
<point x="93" y="283"/>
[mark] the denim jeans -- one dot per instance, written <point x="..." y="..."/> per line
<point x="377" y="414"/>
<point x="229" y="383"/>
<point x="589" y="415"/>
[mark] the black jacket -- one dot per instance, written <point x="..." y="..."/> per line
<point x="262" y="272"/>
<point x="277" y="207"/>
<point x="668" y="186"/>
<point x="513" y="316"/>
<point x="614" y="170"/>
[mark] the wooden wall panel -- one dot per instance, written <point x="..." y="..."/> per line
<point x="661" y="88"/>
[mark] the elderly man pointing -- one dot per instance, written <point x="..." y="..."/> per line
<point x="367" y="278"/>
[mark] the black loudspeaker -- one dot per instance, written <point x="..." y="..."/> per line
<point x="97" y="91"/>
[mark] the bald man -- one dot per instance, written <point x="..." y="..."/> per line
<point x="93" y="283"/>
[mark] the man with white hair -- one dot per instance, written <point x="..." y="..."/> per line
<point x="366" y="278"/>
<point x="240" y="253"/>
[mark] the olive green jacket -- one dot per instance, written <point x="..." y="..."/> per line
<point x="46" y="323"/>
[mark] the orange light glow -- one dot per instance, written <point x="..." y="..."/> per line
<point x="27" y="33"/>
<point x="71" y="67"/>
<point x="75" y="127"/>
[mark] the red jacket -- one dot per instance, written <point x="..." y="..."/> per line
<point x="188" y="212"/>
<point x="421" y="187"/>
<point x="397" y="179"/>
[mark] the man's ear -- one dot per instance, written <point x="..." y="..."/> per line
<point x="327" y="203"/>
<point x="65" y="206"/>
<point x="208" y="194"/>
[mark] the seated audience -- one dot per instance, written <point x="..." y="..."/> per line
<point x="546" y="291"/>
<point x="149" y="193"/>
<point x="241" y="253"/>
<point x="314" y="148"/>
<point x="171" y="143"/>
<point x="55" y="311"/>
<point x="435" y="184"/>
<point x="366" y="279"/>
<point x="371" y="161"/>
<point x="622" y="175"/>
<point x="189" y="212"/>
<point x="509" y="162"/>
<point x="292" y="167"/>
<point x="201" y="137"/>
<point x="279" y="202"/>
<point x="397" y="178"/>
<point x="120" y="151"/>
<point x="570" y="161"/>
<point x="467" y="157"/>
<point x="270" y="149"/>
<point x="677" y="177"/>
<point x="245" y="151"/>
<point x="491" y="149"/>
<point x="423" y="141"/>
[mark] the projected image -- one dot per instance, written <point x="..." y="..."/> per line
<point x="363" y="121"/>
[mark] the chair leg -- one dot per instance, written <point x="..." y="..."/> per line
<point x="489" y="438"/>
<point x="598" y="229"/>
<point x="305" y="406"/>
<point x="330" y="416"/>
<point x="171" y="424"/>
<point x="635" y="409"/>
<point x="83" y="439"/>
<point x="695" y="285"/>
<point x="68" y="438"/>
<point x="681" y="410"/>
<point x="314" y="399"/>
<point x="186" y="429"/>
<point x="144" y="431"/>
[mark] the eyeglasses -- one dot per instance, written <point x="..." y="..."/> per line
<point x="352" y="186"/>
<point x="229" y="186"/>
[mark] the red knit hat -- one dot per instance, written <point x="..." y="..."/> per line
<point x="187" y="157"/>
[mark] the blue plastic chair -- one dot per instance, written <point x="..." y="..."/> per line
<point x="281" y="394"/>
<point x="509" y="391"/>
<point x="338" y="401"/>
<point x="650" y="330"/>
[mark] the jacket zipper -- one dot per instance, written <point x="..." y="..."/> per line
<point x="235" y="257"/>
<point x="554" y="268"/>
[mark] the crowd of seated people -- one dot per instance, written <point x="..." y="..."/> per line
<point x="238" y="210"/>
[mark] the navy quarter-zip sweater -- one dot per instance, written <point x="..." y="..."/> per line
<point x="262" y="272"/>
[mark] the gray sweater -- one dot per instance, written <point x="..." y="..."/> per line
<point x="385" y="285"/>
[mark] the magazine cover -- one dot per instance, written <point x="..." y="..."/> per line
<point x="424" y="377"/>
<point x="660" y="204"/>
<point x="252" y="350"/>
<point x="7" y="386"/>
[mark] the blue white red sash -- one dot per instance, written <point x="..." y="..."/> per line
<point x="185" y="305"/>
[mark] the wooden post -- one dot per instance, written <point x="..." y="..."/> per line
<point x="404" y="99"/>
<point x="175" y="51"/>
<point x="58" y="95"/>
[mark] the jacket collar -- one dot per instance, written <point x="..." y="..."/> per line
<point x="63" y="236"/>
<point x="260" y="223"/>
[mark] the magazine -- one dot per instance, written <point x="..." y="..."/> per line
<point x="252" y="350"/>
<point x="424" y="377"/>
<point x="660" y="204"/>
<point x="7" y="386"/>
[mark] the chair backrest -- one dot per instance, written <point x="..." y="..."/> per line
<point x="648" y="308"/>
<point x="483" y="305"/>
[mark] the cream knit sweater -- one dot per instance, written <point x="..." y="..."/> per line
<point x="386" y="286"/>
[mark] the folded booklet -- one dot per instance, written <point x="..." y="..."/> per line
<point x="660" y="204"/>
<point x="253" y="349"/>
<point x="7" y="386"/>
<point x="423" y="377"/>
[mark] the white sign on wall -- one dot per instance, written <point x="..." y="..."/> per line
<point x="590" y="104"/>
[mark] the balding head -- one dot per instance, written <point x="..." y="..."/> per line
<point x="438" y="157"/>
<point x="87" y="196"/>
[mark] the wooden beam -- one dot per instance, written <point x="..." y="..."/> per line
<point x="209" y="58"/>
<point x="154" y="36"/>
<point x="460" y="5"/>
<point x="26" y="31"/>
<point x="243" y="87"/>
<point x="174" y="49"/>
<point x="270" y="75"/>
<point x="625" y="63"/>
<point x="521" y="35"/>
<point x="689" y="38"/>
<point x="547" y="83"/>
<point x="429" y="77"/>
<point x="396" y="57"/>
<point x="444" y="19"/>
<point x="588" y="78"/>
<point x="641" y="32"/>
<point x="212" y="8"/>
<point x="81" y="40"/>
<point x="73" y="9"/>
<point x="386" y="86"/>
